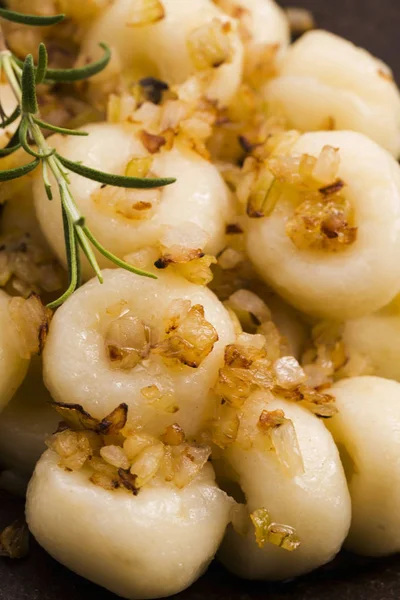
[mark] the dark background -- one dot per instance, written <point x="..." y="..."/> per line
<point x="374" y="24"/>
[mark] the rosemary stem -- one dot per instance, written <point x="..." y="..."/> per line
<point x="5" y="57"/>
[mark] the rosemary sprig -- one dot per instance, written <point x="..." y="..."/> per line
<point x="23" y="78"/>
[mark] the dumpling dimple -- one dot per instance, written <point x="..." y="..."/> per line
<point x="330" y="243"/>
<point x="125" y="221"/>
<point x="156" y="345"/>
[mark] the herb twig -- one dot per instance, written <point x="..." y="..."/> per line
<point x="23" y="78"/>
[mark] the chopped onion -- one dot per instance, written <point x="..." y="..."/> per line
<point x="288" y="372"/>
<point x="147" y="464"/>
<point x="145" y="12"/>
<point x="210" y="45"/>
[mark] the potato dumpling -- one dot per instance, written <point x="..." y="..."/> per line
<point x="13" y="367"/>
<point x="156" y="345"/>
<point x="332" y="253"/>
<point x="24" y="425"/>
<point x="372" y="343"/>
<point x="123" y="220"/>
<point x="147" y="546"/>
<point x="328" y="83"/>
<point x="366" y="431"/>
<point x="312" y="500"/>
<point x="171" y="40"/>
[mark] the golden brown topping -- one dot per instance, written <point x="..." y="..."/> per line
<point x="133" y="459"/>
<point x="130" y="204"/>
<point x="288" y="373"/>
<point x="250" y="309"/>
<point x="174" y="435"/>
<point x="281" y="435"/>
<point x="78" y="419"/>
<point x="32" y="321"/>
<point x="128" y="481"/>
<point x="73" y="447"/>
<point x="114" y="423"/>
<point x="260" y="63"/>
<point x="145" y="12"/>
<point x="153" y="143"/>
<point x="271" y="419"/>
<point x="127" y="342"/>
<point x="265" y="531"/>
<point x="139" y="166"/>
<point x="182" y="249"/>
<point x="190" y="341"/>
<point x="325" y="357"/>
<point x="178" y="255"/>
<point x="115" y="456"/>
<point x="210" y="45"/>
<point x="27" y="267"/>
<point x="322" y="225"/>
<point x="14" y="540"/>
<point x="320" y="403"/>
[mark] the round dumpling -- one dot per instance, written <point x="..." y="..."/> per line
<point x="156" y="345"/>
<point x="170" y="40"/>
<point x="366" y="430"/>
<point x="151" y="545"/>
<point x="294" y="488"/>
<point x="13" y="367"/>
<point x="24" y="426"/>
<point x="330" y="244"/>
<point x="326" y="82"/>
<point x="125" y="221"/>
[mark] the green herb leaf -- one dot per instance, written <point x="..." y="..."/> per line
<point x="88" y="252"/>
<point x="23" y="140"/>
<point x="8" y="120"/>
<point x="46" y="180"/>
<point x="73" y="260"/>
<point x="114" y="259"/>
<point x="114" y="180"/>
<point x="9" y="150"/>
<point x="28" y="85"/>
<point x="16" y="17"/>
<point x="62" y="130"/>
<point x="42" y="64"/>
<point x="10" y="174"/>
<point x="15" y="138"/>
<point x="81" y="73"/>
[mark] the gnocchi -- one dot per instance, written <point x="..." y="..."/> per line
<point x="13" y="367"/>
<point x="129" y="220"/>
<point x="366" y="431"/>
<point x="109" y="344"/>
<point x="226" y="385"/>
<point x="334" y="282"/>
<point x="152" y="545"/>
<point x="24" y="426"/>
<point x="326" y="82"/>
<point x="314" y="500"/>
<point x="170" y="40"/>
